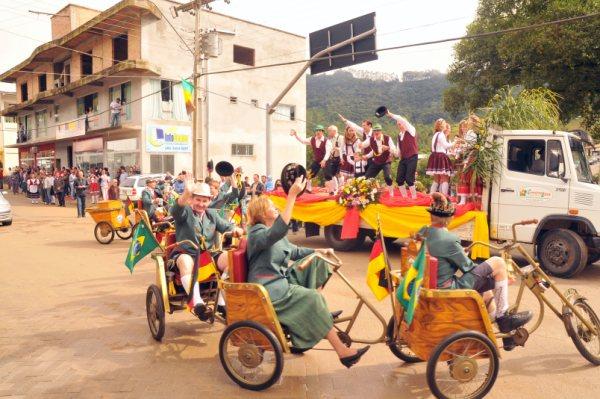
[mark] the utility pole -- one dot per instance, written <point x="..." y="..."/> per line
<point x="198" y="139"/>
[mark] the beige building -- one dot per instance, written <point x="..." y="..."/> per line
<point x="9" y="157"/>
<point x="129" y="51"/>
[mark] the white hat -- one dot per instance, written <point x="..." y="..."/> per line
<point x="202" y="190"/>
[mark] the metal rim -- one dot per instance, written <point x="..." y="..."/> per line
<point x="557" y="253"/>
<point x="252" y="362"/>
<point x="469" y="370"/>
<point x="124" y="233"/>
<point x="589" y="340"/>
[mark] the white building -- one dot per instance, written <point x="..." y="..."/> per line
<point x="9" y="157"/>
<point x="130" y="51"/>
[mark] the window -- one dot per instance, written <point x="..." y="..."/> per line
<point x="527" y="156"/>
<point x="86" y="64"/>
<point x="233" y="100"/>
<point x="582" y="167"/>
<point x="24" y="96"/>
<point x="41" y="120"/>
<point x="285" y="112"/>
<point x="242" y="150"/>
<point x="119" y="48"/>
<point x="166" y="90"/>
<point x="42" y="82"/>
<point x="162" y="163"/>
<point x="56" y="112"/>
<point x="243" y="55"/>
<point x="89" y="102"/>
<point x="555" y="161"/>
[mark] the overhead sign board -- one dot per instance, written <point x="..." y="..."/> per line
<point x="164" y="138"/>
<point x="335" y="34"/>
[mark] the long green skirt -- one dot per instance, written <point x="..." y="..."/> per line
<point x="303" y="309"/>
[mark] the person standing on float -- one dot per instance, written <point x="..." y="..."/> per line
<point x="331" y="161"/>
<point x="364" y="131"/>
<point x="383" y="149"/>
<point x="409" y="155"/>
<point x="318" y="145"/>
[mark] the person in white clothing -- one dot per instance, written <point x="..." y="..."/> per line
<point x="331" y="160"/>
<point x="318" y="145"/>
<point x="104" y="184"/>
<point x="383" y="149"/>
<point x="115" y="112"/>
<point x="439" y="165"/>
<point x="364" y="131"/>
<point x="349" y="150"/>
<point x="408" y="152"/>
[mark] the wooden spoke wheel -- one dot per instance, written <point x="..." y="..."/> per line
<point x="104" y="233"/>
<point x="464" y="365"/>
<point x="398" y="347"/>
<point x="587" y="342"/>
<point x="125" y="233"/>
<point x="155" y="311"/>
<point x="251" y="355"/>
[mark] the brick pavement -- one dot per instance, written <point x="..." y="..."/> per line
<point x="73" y="325"/>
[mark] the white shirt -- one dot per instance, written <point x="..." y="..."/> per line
<point x="409" y="127"/>
<point x="48" y="182"/>
<point x="379" y="143"/>
<point x="115" y="107"/>
<point x="306" y="141"/>
<point x="349" y="150"/>
<point x="442" y="144"/>
<point x="330" y="150"/>
<point x="360" y="131"/>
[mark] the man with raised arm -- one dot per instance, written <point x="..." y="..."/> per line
<point x="318" y="145"/>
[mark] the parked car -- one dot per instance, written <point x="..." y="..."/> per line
<point x="133" y="185"/>
<point x="5" y="210"/>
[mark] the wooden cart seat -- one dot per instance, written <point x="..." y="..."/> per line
<point x="238" y="263"/>
<point x="440" y="313"/>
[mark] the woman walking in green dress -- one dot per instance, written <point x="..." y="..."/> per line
<point x="293" y="291"/>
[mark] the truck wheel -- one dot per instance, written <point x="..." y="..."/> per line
<point x="332" y="235"/>
<point x="562" y="253"/>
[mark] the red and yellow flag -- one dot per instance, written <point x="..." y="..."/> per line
<point x="237" y="215"/>
<point x="376" y="275"/>
<point x="188" y="96"/>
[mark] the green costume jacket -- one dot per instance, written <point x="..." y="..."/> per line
<point x="147" y="204"/>
<point x="269" y="253"/>
<point x="451" y="257"/>
<point x="188" y="226"/>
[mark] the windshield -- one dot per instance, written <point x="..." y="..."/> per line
<point x="129" y="182"/>
<point x="581" y="163"/>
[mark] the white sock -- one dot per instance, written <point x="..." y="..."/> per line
<point x="335" y="184"/>
<point x="444" y="188"/>
<point x="403" y="191"/>
<point x="185" y="281"/>
<point x="413" y="191"/>
<point x="221" y="299"/>
<point x="501" y="297"/>
<point x="434" y="187"/>
<point x="391" y="190"/>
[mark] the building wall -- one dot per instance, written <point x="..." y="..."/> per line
<point x="8" y="134"/>
<point x="239" y="123"/>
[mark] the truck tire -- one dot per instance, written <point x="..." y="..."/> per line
<point x="332" y="235"/>
<point x="562" y="253"/>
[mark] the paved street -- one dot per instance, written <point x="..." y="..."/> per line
<point x="73" y="324"/>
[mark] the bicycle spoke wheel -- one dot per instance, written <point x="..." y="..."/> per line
<point x="586" y="341"/>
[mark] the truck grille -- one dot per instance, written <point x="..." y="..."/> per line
<point x="585" y="199"/>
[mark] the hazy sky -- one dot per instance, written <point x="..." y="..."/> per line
<point x="398" y="22"/>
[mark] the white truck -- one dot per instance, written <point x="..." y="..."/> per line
<point x="545" y="176"/>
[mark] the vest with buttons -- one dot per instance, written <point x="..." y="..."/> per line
<point x="408" y="145"/>
<point x="318" y="152"/>
<point x="385" y="156"/>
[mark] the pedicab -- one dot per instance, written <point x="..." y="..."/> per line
<point x="111" y="217"/>
<point x="452" y="330"/>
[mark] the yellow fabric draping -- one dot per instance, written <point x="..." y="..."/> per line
<point x="395" y="221"/>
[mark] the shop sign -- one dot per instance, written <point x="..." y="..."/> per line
<point x="70" y="129"/>
<point x="161" y="138"/>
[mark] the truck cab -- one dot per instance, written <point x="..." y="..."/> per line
<point x="545" y="175"/>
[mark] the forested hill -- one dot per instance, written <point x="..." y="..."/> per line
<point x="357" y="94"/>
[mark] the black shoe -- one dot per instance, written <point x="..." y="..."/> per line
<point x="202" y="311"/>
<point x="350" y="361"/>
<point x="510" y="322"/>
<point x="508" y="344"/>
<point x="336" y="313"/>
<point x="222" y="310"/>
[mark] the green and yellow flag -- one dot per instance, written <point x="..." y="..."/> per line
<point x="408" y="290"/>
<point x="142" y="243"/>
<point x="188" y="96"/>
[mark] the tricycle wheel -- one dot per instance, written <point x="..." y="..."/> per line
<point x="562" y="253"/>
<point x="587" y="342"/>
<point x="251" y="355"/>
<point x="125" y="233"/>
<point x="464" y="365"/>
<point x="333" y="235"/>
<point x="155" y="311"/>
<point x="398" y="347"/>
<point x="104" y="233"/>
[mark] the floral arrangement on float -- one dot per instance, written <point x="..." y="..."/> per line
<point x="359" y="193"/>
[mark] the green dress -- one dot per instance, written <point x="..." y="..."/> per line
<point x="445" y="246"/>
<point x="299" y="306"/>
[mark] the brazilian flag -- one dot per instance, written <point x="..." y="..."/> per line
<point x="408" y="290"/>
<point x="142" y="243"/>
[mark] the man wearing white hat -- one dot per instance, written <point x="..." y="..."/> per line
<point x="193" y="219"/>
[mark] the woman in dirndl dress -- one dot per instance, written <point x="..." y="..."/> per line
<point x="439" y="165"/>
<point x="33" y="188"/>
<point x="351" y="147"/>
<point x="274" y="262"/>
<point x="94" y="188"/>
<point x="467" y="128"/>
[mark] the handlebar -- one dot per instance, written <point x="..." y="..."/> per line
<point x="521" y="223"/>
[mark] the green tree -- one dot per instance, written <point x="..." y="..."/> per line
<point x="564" y="58"/>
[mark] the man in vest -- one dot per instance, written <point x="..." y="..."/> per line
<point x="332" y="158"/>
<point x="365" y="131"/>
<point x="383" y="149"/>
<point x="409" y="155"/>
<point x="317" y="143"/>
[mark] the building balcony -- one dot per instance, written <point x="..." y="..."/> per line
<point x="46" y="97"/>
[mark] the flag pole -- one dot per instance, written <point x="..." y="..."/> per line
<point x="388" y="272"/>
